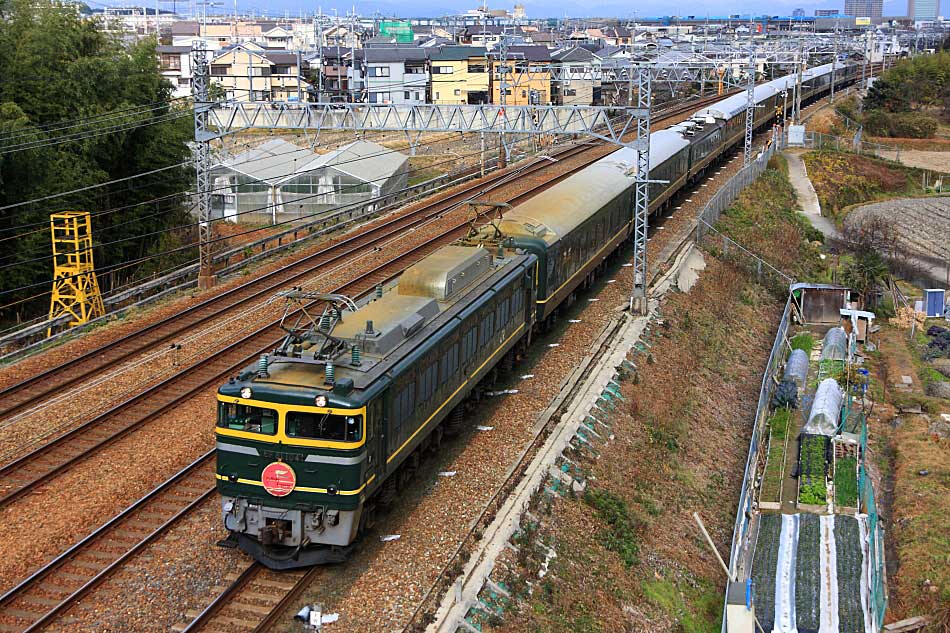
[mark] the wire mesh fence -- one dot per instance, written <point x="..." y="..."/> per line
<point x="724" y="247"/>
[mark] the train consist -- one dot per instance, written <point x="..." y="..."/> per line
<point x="318" y="435"/>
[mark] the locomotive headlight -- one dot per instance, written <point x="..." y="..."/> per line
<point x="320" y="401"/>
<point x="246" y="392"/>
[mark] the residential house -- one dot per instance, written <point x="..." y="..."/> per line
<point x="174" y="63"/>
<point x="278" y="37"/>
<point x="249" y="73"/>
<point x="396" y="75"/>
<point x="459" y="75"/>
<point x="526" y="76"/>
<point x="342" y="75"/>
<point x="576" y="77"/>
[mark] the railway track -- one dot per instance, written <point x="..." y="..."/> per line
<point x="51" y="590"/>
<point x="253" y="601"/>
<point x="27" y="393"/>
<point x="22" y="475"/>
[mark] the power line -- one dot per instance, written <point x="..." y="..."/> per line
<point x="195" y="244"/>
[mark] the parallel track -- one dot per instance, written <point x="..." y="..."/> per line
<point x="28" y="392"/>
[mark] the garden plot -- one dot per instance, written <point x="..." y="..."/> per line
<point x="813" y="470"/>
<point x="763" y="568"/>
<point x="808" y="574"/>
<point x="850" y="562"/>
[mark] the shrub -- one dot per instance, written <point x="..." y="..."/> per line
<point x="900" y="124"/>
<point x="620" y="537"/>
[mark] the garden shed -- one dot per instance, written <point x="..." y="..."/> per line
<point x="279" y="181"/>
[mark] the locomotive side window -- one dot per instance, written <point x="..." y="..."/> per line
<point x="325" y="426"/>
<point x="241" y="417"/>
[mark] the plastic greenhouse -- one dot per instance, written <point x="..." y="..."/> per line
<point x="796" y="369"/>
<point x="835" y="345"/>
<point x="826" y="409"/>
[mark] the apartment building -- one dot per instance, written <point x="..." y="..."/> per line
<point x="174" y="62"/>
<point x="525" y="75"/>
<point x="577" y="77"/>
<point x="248" y="72"/>
<point x="397" y="75"/>
<point x="459" y="75"/>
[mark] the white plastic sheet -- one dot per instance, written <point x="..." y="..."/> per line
<point x="826" y="409"/>
<point x="829" y="576"/>
<point x="796" y="369"/>
<point x="785" y="621"/>
<point x="835" y="345"/>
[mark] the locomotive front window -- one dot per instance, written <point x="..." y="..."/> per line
<point x="325" y="426"/>
<point x="242" y="417"/>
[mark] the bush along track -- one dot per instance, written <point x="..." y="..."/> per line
<point x="849" y="562"/>
<point x="808" y="573"/>
<point x="625" y="553"/>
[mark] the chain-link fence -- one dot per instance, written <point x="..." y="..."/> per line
<point x="724" y="247"/>
<point x="877" y="581"/>
<point x="857" y="144"/>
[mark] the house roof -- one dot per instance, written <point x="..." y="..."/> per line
<point x="184" y="28"/>
<point x="529" y="53"/>
<point x="162" y="48"/>
<point x="573" y="54"/>
<point x="278" y="161"/>
<point x="455" y="53"/>
<point x="393" y="54"/>
<point x="280" y="57"/>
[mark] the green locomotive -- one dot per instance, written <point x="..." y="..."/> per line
<point x="315" y="435"/>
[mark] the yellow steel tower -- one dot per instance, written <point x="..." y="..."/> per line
<point x="75" y="289"/>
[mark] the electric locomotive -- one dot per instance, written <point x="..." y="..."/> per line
<point x="318" y="434"/>
<point x="315" y="435"/>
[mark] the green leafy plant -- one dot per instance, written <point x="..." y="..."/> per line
<point x="620" y="536"/>
<point x="803" y="341"/>
<point x="846" y="482"/>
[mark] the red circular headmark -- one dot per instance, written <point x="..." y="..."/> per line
<point x="279" y="479"/>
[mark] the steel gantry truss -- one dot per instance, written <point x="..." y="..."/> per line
<point x="217" y="120"/>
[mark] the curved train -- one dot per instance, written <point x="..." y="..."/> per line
<point x="316" y="436"/>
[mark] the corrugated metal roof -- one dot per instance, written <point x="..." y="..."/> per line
<point x="566" y="205"/>
<point x="278" y="161"/>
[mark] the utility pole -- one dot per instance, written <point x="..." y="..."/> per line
<point x="798" y="81"/>
<point x="749" y="109"/>
<point x="199" y="92"/>
<point x="834" y="63"/>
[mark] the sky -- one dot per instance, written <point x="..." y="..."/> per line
<point x="624" y="9"/>
<point x="560" y="8"/>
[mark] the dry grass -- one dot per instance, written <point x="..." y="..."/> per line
<point x="680" y="446"/>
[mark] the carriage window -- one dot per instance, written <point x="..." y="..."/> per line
<point x="325" y="426"/>
<point x="241" y="417"/>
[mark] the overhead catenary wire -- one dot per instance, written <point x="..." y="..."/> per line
<point x="145" y="258"/>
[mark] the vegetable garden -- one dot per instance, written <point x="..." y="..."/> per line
<point x="846" y="482"/>
<point x="812" y="469"/>
<point x="773" y="476"/>
<point x="849" y="561"/>
<point x="808" y="573"/>
<point x="763" y="568"/>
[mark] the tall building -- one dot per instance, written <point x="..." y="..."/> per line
<point x="923" y="10"/>
<point x="864" y="8"/>
<point x="798" y="13"/>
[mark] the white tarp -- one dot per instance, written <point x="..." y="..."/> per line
<point x="835" y="345"/>
<point x="796" y="369"/>
<point x="825" y="410"/>
<point x="785" y="621"/>
<point x="828" y="605"/>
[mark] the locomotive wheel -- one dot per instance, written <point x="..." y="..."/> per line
<point x="456" y="422"/>
<point x="388" y="493"/>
